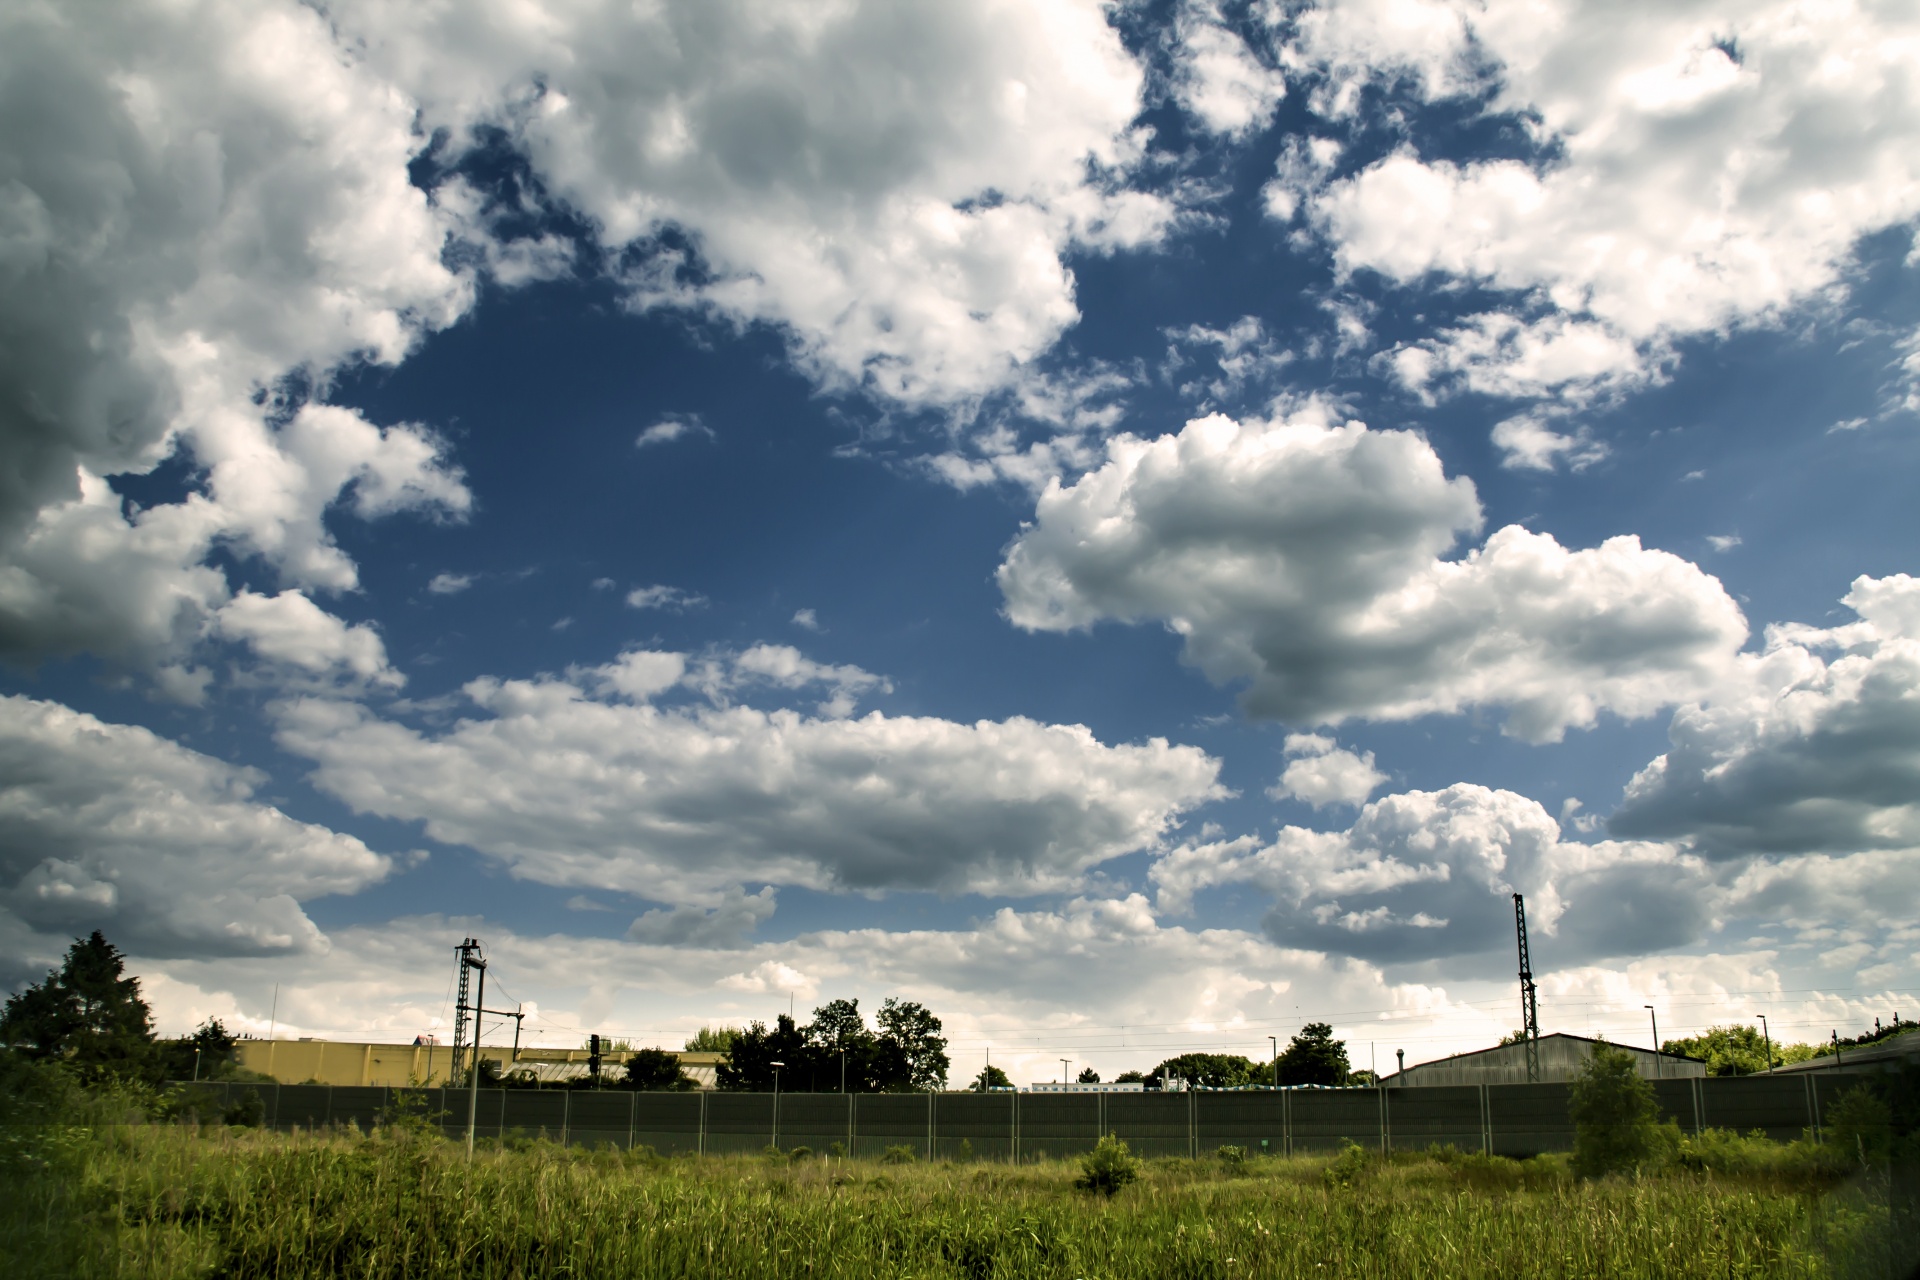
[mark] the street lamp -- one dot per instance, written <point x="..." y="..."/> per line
<point x="1275" y="1041"/>
<point x="1063" y="1069"/>
<point x="1659" y="1063"/>
<point x="776" y="1102"/>
<point x="1769" y="1038"/>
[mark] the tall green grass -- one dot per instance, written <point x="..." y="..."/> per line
<point x="166" y="1201"/>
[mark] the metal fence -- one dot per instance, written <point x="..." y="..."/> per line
<point x="1511" y="1120"/>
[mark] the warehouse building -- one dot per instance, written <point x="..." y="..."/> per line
<point x="341" y="1062"/>
<point x="1561" y="1058"/>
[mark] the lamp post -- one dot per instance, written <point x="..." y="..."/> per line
<point x="776" y="1103"/>
<point x="1275" y="1042"/>
<point x="196" y="1064"/>
<point x="1659" y="1063"/>
<point x="1063" y="1069"/>
<point x="1768" y="1035"/>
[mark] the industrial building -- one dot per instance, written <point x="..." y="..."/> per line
<point x="341" y="1062"/>
<point x="1561" y="1058"/>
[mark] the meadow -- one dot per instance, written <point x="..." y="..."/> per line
<point x="177" y="1200"/>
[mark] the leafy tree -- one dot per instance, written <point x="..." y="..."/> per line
<point x="1110" y="1166"/>
<point x="1130" y="1077"/>
<point x="1613" y="1114"/>
<point x="86" y="1013"/>
<point x="837" y="1026"/>
<point x="1736" y="1050"/>
<point x="1313" y="1056"/>
<point x="912" y="1051"/>
<point x="1362" y="1079"/>
<point x="1208" y="1071"/>
<point x="711" y="1040"/>
<point x="748" y="1066"/>
<point x="208" y="1054"/>
<point x="1859" y="1126"/>
<point x="657" y="1071"/>
<point x="1088" y="1076"/>
<point x="990" y="1078"/>
<point x="1516" y="1036"/>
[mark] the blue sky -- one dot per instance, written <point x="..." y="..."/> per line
<point x="1138" y="526"/>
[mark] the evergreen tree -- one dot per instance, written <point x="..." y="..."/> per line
<point x="88" y="1014"/>
<point x="208" y="1054"/>
<point x="1087" y="1076"/>
<point x="1314" y="1057"/>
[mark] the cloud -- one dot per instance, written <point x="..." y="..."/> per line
<point x="1706" y="166"/>
<point x="679" y="804"/>
<point x="1322" y="773"/>
<point x="1306" y="560"/>
<point x="738" y="915"/>
<point x="1428" y="874"/>
<point x="207" y="204"/>
<point x="806" y="620"/>
<point x="673" y="427"/>
<point x="1723" y="541"/>
<point x="112" y="827"/>
<point x="293" y="631"/>
<point x="1219" y="81"/>
<point x="672" y="599"/>
<point x="1811" y="746"/>
<point x="1528" y="443"/>
<point x="449" y="584"/>
<point x="894" y="185"/>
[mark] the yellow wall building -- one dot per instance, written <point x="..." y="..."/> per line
<point x="344" y="1062"/>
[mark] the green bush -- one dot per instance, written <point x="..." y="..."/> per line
<point x="1232" y="1157"/>
<point x="1614" y="1128"/>
<point x="964" y="1151"/>
<point x="838" y="1150"/>
<point x="898" y="1155"/>
<point x="1859" y="1127"/>
<point x="1108" y="1167"/>
<point x="800" y="1153"/>
<point x="1352" y="1164"/>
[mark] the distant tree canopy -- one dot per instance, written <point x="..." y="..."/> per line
<point x="88" y="1014"/>
<point x="1736" y="1050"/>
<point x="1208" y="1071"/>
<point x="991" y="1077"/>
<point x="657" y="1071"/>
<point x="711" y="1040"/>
<point x="210" y="1053"/>
<point x="1087" y="1076"/>
<point x="1314" y="1057"/>
<point x="905" y="1051"/>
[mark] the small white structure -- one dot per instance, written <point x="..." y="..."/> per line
<point x="1561" y="1058"/>
<point x="1056" y="1087"/>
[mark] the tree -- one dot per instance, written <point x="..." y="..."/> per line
<point x="912" y="1051"/>
<point x="1313" y="1056"/>
<point x="657" y="1071"/>
<point x="207" y="1054"/>
<point x="991" y="1077"/>
<point x="1736" y="1050"/>
<point x="1613" y="1114"/>
<point x="1130" y="1077"/>
<point x="711" y="1040"/>
<point x="748" y="1067"/>
<point x="1088" y="1076"/>
<point x="86" y="1013"/>
<point x="1208" y="1071"/>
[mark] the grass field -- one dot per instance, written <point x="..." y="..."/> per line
<point x="161" y="1200"/>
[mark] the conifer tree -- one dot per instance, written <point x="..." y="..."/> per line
<point x="87" y="1013"/>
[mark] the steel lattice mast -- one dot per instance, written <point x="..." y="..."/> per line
<point x="467" y="952"/>
<point x="1529" y="1007"/>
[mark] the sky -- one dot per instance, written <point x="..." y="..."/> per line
<point x="1138" y="525"/>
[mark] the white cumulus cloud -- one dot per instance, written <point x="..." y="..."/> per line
<point x="1322" y="772"/>
<point x="1306" y="560"/>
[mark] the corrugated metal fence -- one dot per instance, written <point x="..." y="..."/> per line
<point x="1514" y="1120"/>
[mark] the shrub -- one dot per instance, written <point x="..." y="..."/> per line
<point x="1108" y="1167"/>
<point x="898" y="1155"/>
<point x="1859" y="1127"/>
<point x="1232" y="1157"/>
<point x="1352" y="1164"/>
<point x="838" y="1150"/>
<point x="246" y="1111"/>
<point x="964" y="1151"/>
<point x="800" y="1153"/>
<point x="1613" y="1115"/>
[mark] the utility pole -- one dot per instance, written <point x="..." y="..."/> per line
<point x="1063" y="1069"/>
<point x="470" y="960"/>
<point x="1659" y="1063"/>
<point x="1275" y="1042"/>
<point x="1529" y="1007"/>
<point x="1769" y="1038"/>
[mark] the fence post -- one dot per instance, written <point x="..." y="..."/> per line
<point x="700" y="1143"/>
<point x="633" y="1108"/>
<point x="566" y="1115"/>
<point x="1386" y="1125"/>
<point x="1486" y="1122"/>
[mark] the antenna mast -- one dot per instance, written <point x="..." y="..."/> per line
<point x="1529" y="1008"/>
